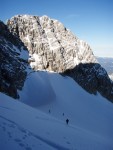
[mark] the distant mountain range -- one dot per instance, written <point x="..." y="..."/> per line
<point x="107" y="63"/>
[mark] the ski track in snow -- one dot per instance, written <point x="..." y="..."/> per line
<point x="11" y="124"/>
<point x="6" y="108"/>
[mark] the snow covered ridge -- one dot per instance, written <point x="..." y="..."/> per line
<point x="52" y="47"/>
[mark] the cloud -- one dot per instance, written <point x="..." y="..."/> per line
<point x="71" y="16"/>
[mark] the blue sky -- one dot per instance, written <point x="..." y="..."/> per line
<point x="90" y="20"/>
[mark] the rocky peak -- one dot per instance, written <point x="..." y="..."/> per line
<point x="51" y="46"/>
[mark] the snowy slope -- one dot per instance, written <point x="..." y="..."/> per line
<point x="91" y="121"/>
<point x="63" y="95"/>
<point x="25" y="128"/>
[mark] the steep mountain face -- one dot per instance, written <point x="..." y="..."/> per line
<point x="52" y="47"/>
<point x="12" y="65"/>
<point x="93" y="78"/>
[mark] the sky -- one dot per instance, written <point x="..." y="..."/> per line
<point x="89" y="20"/>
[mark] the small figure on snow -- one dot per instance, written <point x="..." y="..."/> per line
<point x="67" y="121"/>
<point x="63" y="114"/>
<point x="49" y="111"/>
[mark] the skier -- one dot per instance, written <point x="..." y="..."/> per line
<point x="67" y="121"/>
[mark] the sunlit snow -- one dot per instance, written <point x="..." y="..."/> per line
<point x="42" y="125"/>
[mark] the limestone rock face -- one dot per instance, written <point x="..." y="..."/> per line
<point x="12" y="65"/>
<point x="51" y="46"/>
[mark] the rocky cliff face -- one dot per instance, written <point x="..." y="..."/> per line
<point x="52" y="47"/>
<point x="12" y="65"/>
<point x="93" y="78"/>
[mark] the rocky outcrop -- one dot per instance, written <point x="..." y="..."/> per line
<point x="93" y="78"/>
<point x="52" y="47"/>
<point x="12" y="65"/>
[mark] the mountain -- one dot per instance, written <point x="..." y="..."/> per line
<point x="46" y="68"/>
<point x="52" y="47"/>
<point x="107" y="63"/>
